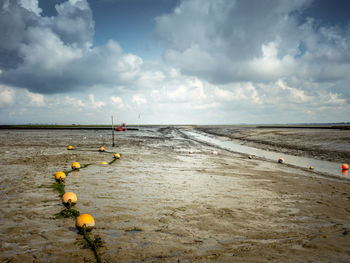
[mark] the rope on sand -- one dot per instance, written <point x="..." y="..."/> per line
<point x="93" y="245"/>
<point x="59" y="187"/>
<point x="69" y="212"/>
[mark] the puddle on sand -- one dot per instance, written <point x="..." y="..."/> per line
<point x="330" y="168"/>
<point x="133" y="231"/>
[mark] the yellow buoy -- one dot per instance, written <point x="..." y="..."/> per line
<point x="311" y="167"/>
<point x="117" y="155"/>
<point x="102" y="149"/>
<point x="60" y="175"/>
<point x="190" y="151"/>
<point x="250" y="156"/>
<point x="70" y="147"/>
<point x="85" y="220"/>
<point x="75" y="165"/>
<point x="69" y="196"/>
<point x="104" y="162"/>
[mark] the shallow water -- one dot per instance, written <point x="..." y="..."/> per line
<point x="326" y="167"/>
<point x="323" y="144"/>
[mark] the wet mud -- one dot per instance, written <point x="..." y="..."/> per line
<point x="161" y="203"/>
<point x="324" y="144"/>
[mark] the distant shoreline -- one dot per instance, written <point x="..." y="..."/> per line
<point x="59" y="127"/>
<point x="135" y="127"/>
<point x="339" y="127"/>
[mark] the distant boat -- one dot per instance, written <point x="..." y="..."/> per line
<point x="121" y="127"/>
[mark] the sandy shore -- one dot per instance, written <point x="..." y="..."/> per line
<point x="159" y="203"/>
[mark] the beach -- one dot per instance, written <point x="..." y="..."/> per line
<point x="170" y="198"/>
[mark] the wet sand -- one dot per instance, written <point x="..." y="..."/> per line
<point x="325" y="144"/>
<point x="159" y="203"/>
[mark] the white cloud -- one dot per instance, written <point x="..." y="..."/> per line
<point x="6" y="95"/>
<point x="139" y="100"/>
<point x="117" y="102"/>
<point x="224" y="94"/>
<point x="36" y="99"/>
<point x="238" y="92"/>
<point x="22" y="98"/>
<point x="46" y="52"/>
<point x="73" y="102"/>
<point x="31" y="5"/>
<point x="96" y="104"/>
<point x="74" y="23"/>
<point x="247" y="41"/>
<point x="334" y="99"/>
<point x="186" y="93"/>
<point x="206" y="106"/>
<point x="295" y="95"/>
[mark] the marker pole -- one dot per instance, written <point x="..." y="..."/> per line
<point x="112" y="133"/>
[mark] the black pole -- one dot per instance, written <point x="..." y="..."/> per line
<point x="112" y="133"/>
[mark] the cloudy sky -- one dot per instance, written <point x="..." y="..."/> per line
<point x="174" y="61"/>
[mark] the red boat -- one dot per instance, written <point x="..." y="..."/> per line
<point x="121" y="127"/>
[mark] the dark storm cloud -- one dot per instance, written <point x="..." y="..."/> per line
<point x="13" y="22"/>
<point x="55" y="54"/>
<point x="73" y="26"/>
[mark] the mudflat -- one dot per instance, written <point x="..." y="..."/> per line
<point x="161" y="203"/>
<point x="324" y="144"/>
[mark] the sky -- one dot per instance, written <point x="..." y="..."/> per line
<point x="174" y="61"/>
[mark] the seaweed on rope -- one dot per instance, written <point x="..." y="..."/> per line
<point x="85" y="165"/>
<point x="91" y="244"/>
<point x="59" y="187"/>
<point x="69" y="212"/>
<point x="112" y="161"/>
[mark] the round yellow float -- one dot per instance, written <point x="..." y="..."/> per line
<point x="60" y="176"/>
<point x="104" y="163"/>
<point x="75" y="165"/>
<point x="85" y="220"/>
<point x="102" y="149"/>
<point x="311" y="167"/>
<point x="117" y="155"/>
<point x="250" y="156"/>
<point x="70" y="147"/>
<point x="69" y="196"/>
